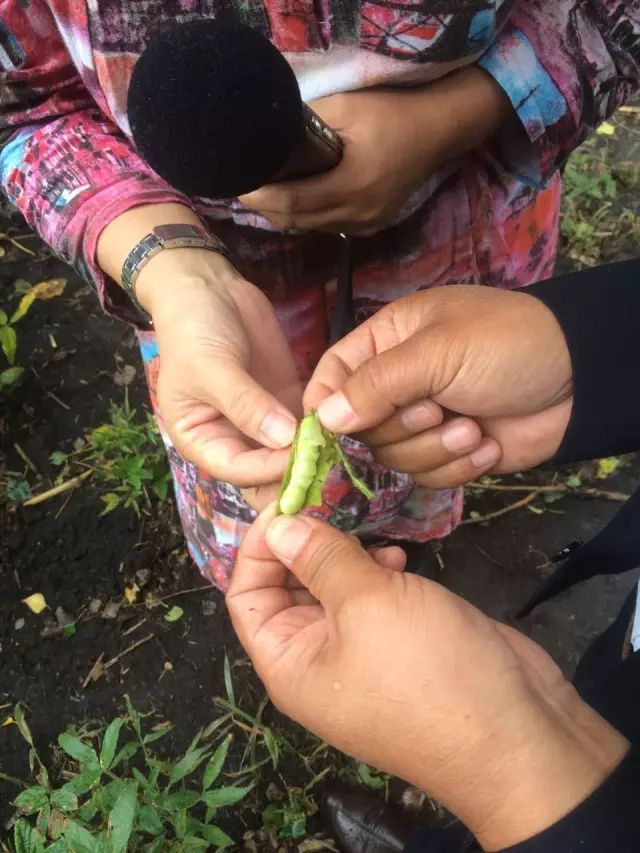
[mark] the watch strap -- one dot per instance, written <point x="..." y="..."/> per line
<point x="176" y="236"/>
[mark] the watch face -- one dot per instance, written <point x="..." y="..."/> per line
<point x="175" y="232"/>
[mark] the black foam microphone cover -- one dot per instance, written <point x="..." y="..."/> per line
<point x="215" y="108"/>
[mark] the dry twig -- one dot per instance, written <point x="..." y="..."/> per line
<point x="60" y="489"/>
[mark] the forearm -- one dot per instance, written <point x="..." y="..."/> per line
<point x="168" y="272"/>
<point x="473" y="108"/>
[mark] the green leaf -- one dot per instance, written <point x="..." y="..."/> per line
<point x="122" y="816"/>
<point x="228" y="683"/>
<point x="134" y="716"/>
<point x="225" y="796"/>
<point x="174" y="614"/>
<point x="10" y="376"/>
<point x="110" y="742"/>
<point x="85" y="781"/>
<point x="272" y="745"/>
<point x="42" y="821"/>
<point x="191" y="760"/>
<point x="59" y="846"/>
<point x="26" y="839"/>
<point x="360" y="485"/>
<point x="8" y="342"/>
<point x="127" y="752"/>
<point x="216" y="836"/>
<point x="79" y="839"/>
<point x="180" y="824"/>
<point x="25" y="731"/>
<point x="32" y="799"/>
<point x="64" y="800"/>
<point x="192" y="843"/>
<point x="17" y="489"/>
<point x="179" y="800"/>
<point x="58" y="458"/>
<point x="89" y="810"/>
<point x="81" y="752"/>
<point x="3" y="318"/>
<point x="69" y="630"/>
<point x="148" y="821"/>
<point x="215" y="765"/>
<point x="25" y="303"/>
<point x="371" y="779"/>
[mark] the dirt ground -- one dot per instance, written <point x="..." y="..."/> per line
<point x="65" y="549"/>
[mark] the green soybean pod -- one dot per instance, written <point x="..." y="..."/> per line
<point x="309" y="443"/>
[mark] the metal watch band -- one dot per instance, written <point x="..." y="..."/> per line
<point x="164" y="237"/>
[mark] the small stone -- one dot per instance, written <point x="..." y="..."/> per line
<point x="143" y="576"/>
<point x="19" y="624"/>
<point x="79" y="443"/>
<point x="111" y="610"/>
<point x="63" y="618"/>
<point x="209" y="607"/>
<point x="273" y="793"/>
<point x="95" y="606"/>
<point x="413" y="799"/>
<point x="168" y="666"/>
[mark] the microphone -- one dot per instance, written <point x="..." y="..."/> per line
<point x="215" y="109"/>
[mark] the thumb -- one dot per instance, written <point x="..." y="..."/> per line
<point x="408" y="372"/>
<point x="232" y="391"/>
<point x="330" y="564"/>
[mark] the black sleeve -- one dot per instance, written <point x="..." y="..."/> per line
<point x="607" y="822"/>
<point x="599" y="312"/>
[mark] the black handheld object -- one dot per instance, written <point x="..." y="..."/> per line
<point x="215" y="109"/>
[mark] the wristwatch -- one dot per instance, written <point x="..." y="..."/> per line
<point x="165" y="237"/>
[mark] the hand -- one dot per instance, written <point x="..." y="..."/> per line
<point x="393" y="141"/>
<point x="228" y="385"/>
<point x="467" y="709"/>
<point x="497" y="358"/>
<point x="228" y="390"/>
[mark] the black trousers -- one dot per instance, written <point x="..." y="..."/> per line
<point x="606" y="681"/>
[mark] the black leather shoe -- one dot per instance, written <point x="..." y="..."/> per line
<point x="364" y="824"/>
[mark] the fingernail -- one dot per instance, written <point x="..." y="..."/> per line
<point x="278" y="429"/>
<point x="458" y="436"/>
<point x="420" y="416"/>
<point x="287" y="537"/>
<point x="485" y="455"/>
<point x="335" y="412"/>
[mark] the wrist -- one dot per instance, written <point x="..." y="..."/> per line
<point x="170" y="275"/>
<point x="482" y="107"/>
<point x="557" y="755"/>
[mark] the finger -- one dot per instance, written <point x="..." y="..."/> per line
<point x="331" y="565"/>
<point x="340" y="362"/>
<point x="407" y="422"/>
<point x="258" y="590"/>
<point x="431" y="449"/>
<point x="312" y="195"/>
<point x="236" y="395"/>
<point x="217" y="447"/>
<point x="389" y="381"/>
<point x="391" y="557"/>
<point x="484" y="459"/>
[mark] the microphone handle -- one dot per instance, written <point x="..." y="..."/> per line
<point x="343" y="319"/>
<point x="319" y="151"/>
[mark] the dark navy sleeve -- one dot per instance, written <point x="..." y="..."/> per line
<point x="599" y="312"/>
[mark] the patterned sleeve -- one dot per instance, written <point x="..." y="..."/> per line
<point x="566" y="66"/>
<point x="63" y="164"/>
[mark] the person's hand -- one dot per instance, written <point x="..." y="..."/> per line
<point x="494" y="361"/>
<point x="393" y="141"/>
<point x="228" y="386"/>
<point x="402" y="674"/>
